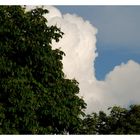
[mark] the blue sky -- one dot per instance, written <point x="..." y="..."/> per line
<point x="118" y="33"/>
<point x="117" y="67"/>
<point x="115" y="77"/>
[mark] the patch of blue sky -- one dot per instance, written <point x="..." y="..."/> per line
<point x="118" y="37"/>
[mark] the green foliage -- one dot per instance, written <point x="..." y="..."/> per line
<point x="35" y="96"/>
<point x="118" y="121"/>
<point x="133" y="120"/>
<point x="89" y="125"/>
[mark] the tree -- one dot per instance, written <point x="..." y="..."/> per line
<point x="118" y="121"/>
<point x="89" y="124"/>
<point x="133" y="120"/>
<point x="115" y="122"/>
<point x="35" y="96"/>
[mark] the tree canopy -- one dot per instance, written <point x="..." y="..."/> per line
<point x="118" y="121"/>
<point x="35" y="96"/>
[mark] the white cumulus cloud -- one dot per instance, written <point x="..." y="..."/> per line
<point x="120" y="87"/>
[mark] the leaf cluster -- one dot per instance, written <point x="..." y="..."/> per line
<point x="118" y="121"/>
<point x="35" y="96"/>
